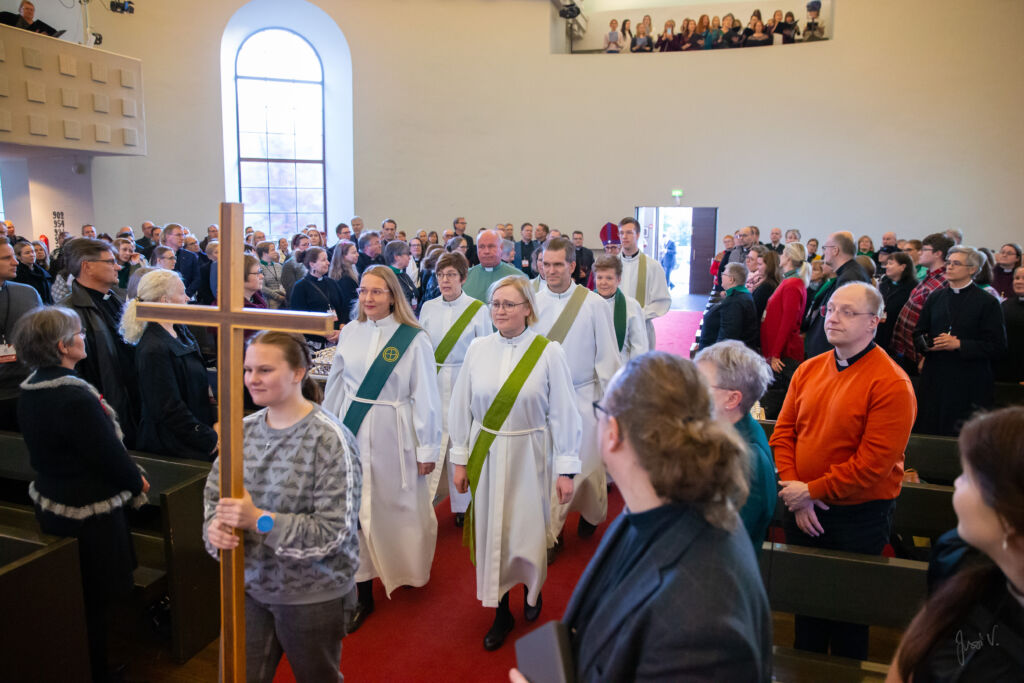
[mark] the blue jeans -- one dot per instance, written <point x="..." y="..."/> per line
<point x="309" y="634"/>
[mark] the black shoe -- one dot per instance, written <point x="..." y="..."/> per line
<point x="460" y="519"/>
<point x="502" y="626"/>
<point x="555" y="549"/>
<point x="585" y="529"/>
<point x="359" y="615"/>
<point x="531" y="613"/>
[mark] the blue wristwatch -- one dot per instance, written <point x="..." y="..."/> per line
<point x="265" y="523"/>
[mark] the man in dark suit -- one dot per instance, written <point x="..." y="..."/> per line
<point x="524" y="250"/>
<point x="673" y="592"/>
<point x="187" y="264"/>
<point x="369" y="251"/>
<point x="839" y="252"/>
<point x="459" y="225"/>
<point x="26" y="19"/>
<point x="584" y="259"/>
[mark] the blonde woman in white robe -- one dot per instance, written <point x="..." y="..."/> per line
<point x="398" y="438"/>
<point x="534" y="451"/>
<point x="439" y="317"/>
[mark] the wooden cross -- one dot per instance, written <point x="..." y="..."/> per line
<point x="232" y="320"/>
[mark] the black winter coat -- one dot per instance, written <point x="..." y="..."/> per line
<point x="177" y="418"/>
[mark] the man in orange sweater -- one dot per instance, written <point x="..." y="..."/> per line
<point x="839" y="448"/>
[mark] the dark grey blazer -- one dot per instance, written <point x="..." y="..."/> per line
<point x="692" y="609"/>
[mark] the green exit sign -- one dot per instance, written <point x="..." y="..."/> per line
<point x="677" y="193"/>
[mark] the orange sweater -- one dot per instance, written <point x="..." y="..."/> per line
<point x="844" y="433"/>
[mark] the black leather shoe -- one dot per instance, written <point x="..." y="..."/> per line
<point x="500" y="629"/>
<point x="531" y="613"/>
<point x="554" y="550"/>
<point x="359" y="616"/>
<point x="460" y="519"/>
<point x="585" y="529"/>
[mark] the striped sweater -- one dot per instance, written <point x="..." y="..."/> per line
<point x="310" y="476"/>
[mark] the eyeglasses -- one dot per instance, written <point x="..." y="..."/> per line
<point x="830" y="246"/>
<point x="372" y="292"/>
<point x="505" y="305"/>
<point x="598" y="408"/>
<point x="847" y="313"/>
<point x="447" y="276"/>
<point x="954" y="264"/>
<point x="257" y="272"/>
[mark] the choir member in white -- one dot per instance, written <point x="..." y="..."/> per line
<point x="533" y="452"/>
<point x="643" y="278"/>
<point x="633" y="332"/>
<point x="399" y="439"/>
<point x="464" y="318"/>
<point x="593" y="359"/>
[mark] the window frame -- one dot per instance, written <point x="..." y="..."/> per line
<point x="267" y="160"/>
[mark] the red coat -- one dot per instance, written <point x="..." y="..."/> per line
<point x="780" y="328"/>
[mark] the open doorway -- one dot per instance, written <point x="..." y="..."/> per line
<point x="690" y="231"/>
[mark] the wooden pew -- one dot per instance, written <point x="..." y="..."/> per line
<point x="43" y="636"/>
<point x="863" y="589"/>
<point x="168" y="541"/>
<point x="936" y="458"/>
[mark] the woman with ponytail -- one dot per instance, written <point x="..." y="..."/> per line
<point x="972" y="627"/>
<point x="781" y="343"/>
<point x="298" y="515"/>
<point x="678" y="546"/>
<point x="177" y="414"/>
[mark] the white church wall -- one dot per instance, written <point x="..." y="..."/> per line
<point x="460" y="108"/>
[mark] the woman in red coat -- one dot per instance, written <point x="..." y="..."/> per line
<point x="781" y="343"/>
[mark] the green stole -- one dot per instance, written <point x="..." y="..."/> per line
<point x="377" y="375"/>
<point x="494" y="418"/>
<point x="453" y="333"/>
<point x="641" y="279"/>
<point x="619" y="317"/>
<point x="568" y="315"/>
<point x="737" y="288"/>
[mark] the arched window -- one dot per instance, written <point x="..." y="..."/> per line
<point x="279" y="96"/>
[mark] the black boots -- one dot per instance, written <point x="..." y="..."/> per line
<point x="585" y="529"/>
<point x="364" y="607"/>
<point x="502" y="626"/>
<point x="460" y="519"/>
<point x="531" y="613"/>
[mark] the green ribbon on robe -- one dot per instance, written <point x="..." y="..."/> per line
<point x="619" y="317"/>
<point x="444" y="349"/>
<point x="568" y="315"/>
<point x="641" y="280"/>
<point x="377" y="375"/>
<point x="493" y="420"/>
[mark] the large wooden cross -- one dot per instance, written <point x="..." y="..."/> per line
<point x="232" y="320"/>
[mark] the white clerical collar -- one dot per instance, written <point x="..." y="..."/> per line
<point x="454" y="302"/>
<point x="564" y="295"/>
<point x="488" y="269"/>
<point x="387" y="321"/>
<point x="957" y="290"/>
<point x="625" y="257"/>
<point x="513" y="341"/>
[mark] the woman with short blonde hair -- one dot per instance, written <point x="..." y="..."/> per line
<point x="516" y="459"/>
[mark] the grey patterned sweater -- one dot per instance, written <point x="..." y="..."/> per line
<point x="310" y="476"/>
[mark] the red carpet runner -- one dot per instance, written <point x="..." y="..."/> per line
<point x="675" y="331"/>
<point x="436" y="633"/>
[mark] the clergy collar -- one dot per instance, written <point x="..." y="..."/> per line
<point x="957" y="290"/>
<point x="514" y="341"/>
<point x="564" y="295"/>
<point x="383" y="322"/>
<point x="844" y="364"/>
<point x="626" y="257"/>
<point x="454" y="302"/>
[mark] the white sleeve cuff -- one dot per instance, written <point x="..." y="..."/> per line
<point x="428" y="453"/>
<point x="567" y="464"/>
<point x="459" y="455"/>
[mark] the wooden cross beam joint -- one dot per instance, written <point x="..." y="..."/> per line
<point x="231" y="320"/>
